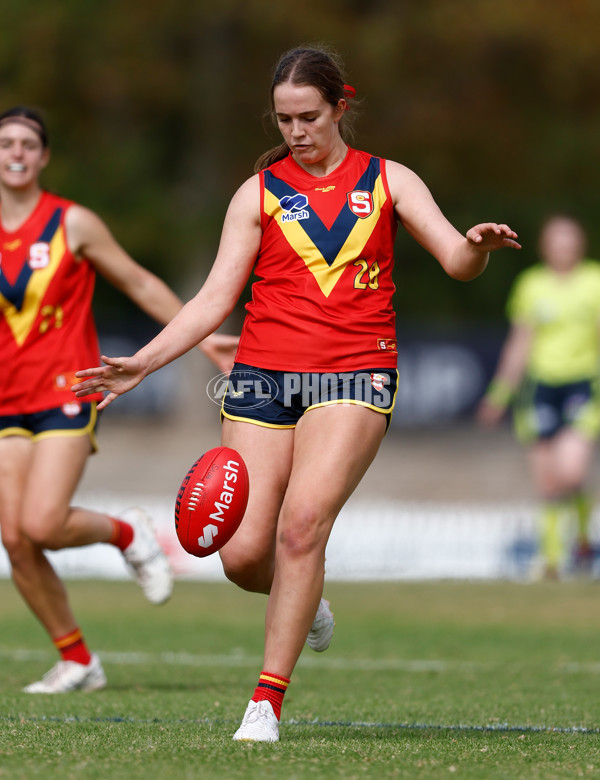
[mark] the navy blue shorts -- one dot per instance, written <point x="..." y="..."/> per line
<point x="70" y="419"/>
<point x="278" y="399"/>
<point x="542" y="410"/>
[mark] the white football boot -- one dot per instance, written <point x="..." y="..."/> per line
<point x="68" y="676"/>
<point x="319" y="636"/>
<point x="259" y="724"/>
<point x="146" y="558"/>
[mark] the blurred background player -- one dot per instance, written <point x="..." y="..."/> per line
<point x="318" y="220"/>
<point x="549" y="365"/>
<point x="50" y="250"/>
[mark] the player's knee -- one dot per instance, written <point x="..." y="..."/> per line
<point x="244" y="577"/>
<point x="248" y="570"/>
<point x="42" y="534"/>
<point x="302" y="533"/>
<point x="573" y="475"/>
<point x="12" y="541"/>
<point x="18" y="546"/>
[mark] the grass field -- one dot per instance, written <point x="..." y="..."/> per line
<point x="423" y="680"/>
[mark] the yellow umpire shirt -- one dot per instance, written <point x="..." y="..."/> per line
<point x="564" y="312"/>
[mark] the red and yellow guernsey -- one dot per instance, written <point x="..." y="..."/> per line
<point x="47" y="331"/>
<point x="323" y="299"/>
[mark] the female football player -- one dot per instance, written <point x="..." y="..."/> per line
<point x="549" y="365"/>
<point x="317" y="225"/>
<point x="50" y="250"/>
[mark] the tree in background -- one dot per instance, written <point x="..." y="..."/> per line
<point x="152" y="109"/>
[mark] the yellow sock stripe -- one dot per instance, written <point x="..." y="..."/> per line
<point x="282" y="682"/>
<point x="68" y="639"/>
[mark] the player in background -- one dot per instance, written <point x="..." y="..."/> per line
<point x="317" y="224"/>
<point x="549" y="367"/>
<point x="50" y="250"/>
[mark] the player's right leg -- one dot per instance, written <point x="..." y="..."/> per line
<point x="37" y="481"/>
<point x="35" y="578"/>
<point x="249" y="557"/>
<point x="32" y="573"/>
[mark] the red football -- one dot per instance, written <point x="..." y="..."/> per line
<point x="211" y="501"/>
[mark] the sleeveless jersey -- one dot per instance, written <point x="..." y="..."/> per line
<point x="47" y="330"/>
<point x="323" y="299"/>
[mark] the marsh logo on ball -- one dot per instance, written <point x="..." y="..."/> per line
<point x="211" y="501"/>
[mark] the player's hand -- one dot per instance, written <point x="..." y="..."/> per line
<point x="221" y="349"/>
<point x="489" y="236"/>
<point x="115" y="378"/>
<point x="489" y="414"/>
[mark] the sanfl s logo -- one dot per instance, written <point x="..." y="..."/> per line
<point x="39" y="255"/>
<point x="360" y="203"/>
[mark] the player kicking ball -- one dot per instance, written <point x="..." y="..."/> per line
<point x="317" y="225"/>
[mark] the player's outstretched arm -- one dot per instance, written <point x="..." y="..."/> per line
<point x="240" y="242"/>
<point x="512" y="365"/>
<point x="117" y="376"/>
<point x="89" y="237"/>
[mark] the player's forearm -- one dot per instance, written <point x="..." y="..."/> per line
<point x="512" y="366"/>
<point x="466" y="261"/>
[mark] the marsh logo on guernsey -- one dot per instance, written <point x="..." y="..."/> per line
<point x="294" y="207"/>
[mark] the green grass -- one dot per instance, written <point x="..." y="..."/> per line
<point x="422" y="680"/>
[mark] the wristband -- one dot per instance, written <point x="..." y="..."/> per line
<point x="499" y="393"/>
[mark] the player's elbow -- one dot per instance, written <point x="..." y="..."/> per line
<point x="465" y="269"/>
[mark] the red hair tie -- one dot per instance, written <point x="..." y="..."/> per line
<point x="349" y="92"/>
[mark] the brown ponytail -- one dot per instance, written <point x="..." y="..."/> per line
<point x="271" y="156"/>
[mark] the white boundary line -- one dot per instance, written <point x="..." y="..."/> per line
<point x="240" y="660"/>
<point x="501" y="728"/>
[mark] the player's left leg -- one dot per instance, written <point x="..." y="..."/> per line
<point x="573" y="451"/>
<point x="560" y="466"/>
<point x="57" y="465"/>
<point x="333" y="447"/>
